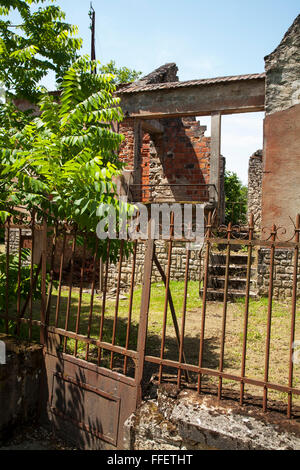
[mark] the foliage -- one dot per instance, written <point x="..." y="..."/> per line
<point x="42" y="42"/>
<point x="235" y="199"/>
<point x="122" y="74"/>
<point x="13" y="280"/>
<point x="63" y="162"/>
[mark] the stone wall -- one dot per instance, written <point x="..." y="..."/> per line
<point x="255" y="175"/>
<point x="283" y="72"/>
<point x="188" y="421"/>
<point x="283" y="273"/>
<point x="180" y="156"/>
<point x="19" y="385"/>
<point x="281" y="189"/>
<point x="14" y="239"/>
<point x="177" y="265"/>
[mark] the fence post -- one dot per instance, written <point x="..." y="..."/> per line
<point x="294" y="312"/>
<point x="43" y="283"/>
<point x="143" y="324"/>
<point x="7" y="275"/>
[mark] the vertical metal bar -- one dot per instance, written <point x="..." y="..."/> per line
<point x="117" y="303"/>
<point x="216" y="118"/>
<point x="205" y="283"/>
<point x="144" y="312"/>
<point x="246" y="315"/>
<point x="101" y="275"/>
<point x="221" y="363"/>
<point x="62" y="258"/>
<point x="70" y="287"/>
<point x="163" y="338"/>
<point x="268" y="338"/>
<point x="7" y="275"/>
<point x="181" y="347"/>
<point x="43" y="284"/>
<point x="50" y="286"/>
<point x="19" y="282"/>
<point x="92" y="298"/>
<point x="293" y="318"/>
<point x="104" y="300"/>
<point x="80" y="295"/>
<point x="31" y="272"/>
<point x="130" y="304"/>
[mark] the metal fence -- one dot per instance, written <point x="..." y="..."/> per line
<point x="230" y="237"/>
<point x="39" y="297"/>
<point x="56" y="289"/>
<point x="173" y="192"/>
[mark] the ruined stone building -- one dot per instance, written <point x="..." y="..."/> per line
<point x="168" y="157"/>
<point x="160" y="97"/>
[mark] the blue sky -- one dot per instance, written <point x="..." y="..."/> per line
<point x="205" y="39"/>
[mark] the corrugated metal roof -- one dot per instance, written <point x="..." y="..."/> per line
<point x="141" y="86"/>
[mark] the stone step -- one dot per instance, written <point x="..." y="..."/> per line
<point x="234" y="283"/>
<point x="218" y="294"/>
<point x="217" y="259"/>
<point x="234" y="270"/>
<point x="237" y="280"/>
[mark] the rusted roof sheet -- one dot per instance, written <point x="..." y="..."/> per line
<point x="141" y="86"/>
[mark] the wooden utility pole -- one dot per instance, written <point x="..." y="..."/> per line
<point x="92" y="15"/>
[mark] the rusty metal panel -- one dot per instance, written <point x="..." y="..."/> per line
<point x="87" y="403"/>
<point x="93" y="402"/>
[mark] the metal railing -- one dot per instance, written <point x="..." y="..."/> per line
<point x="230" y="237"/>
<point x="90" y="334"/>
<point x="173" y="192"/>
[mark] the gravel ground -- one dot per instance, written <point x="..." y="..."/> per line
<point x="36" y="439"/>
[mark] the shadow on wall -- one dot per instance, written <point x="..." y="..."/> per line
<point x="179" y="158"/>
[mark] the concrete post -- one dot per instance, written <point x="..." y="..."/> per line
<point x="215" y="151"/>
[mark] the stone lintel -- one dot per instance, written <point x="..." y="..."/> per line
<point x="153" y="126"/>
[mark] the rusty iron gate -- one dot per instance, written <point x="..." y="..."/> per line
<point x="96" y="351"/>
<point x="91" y="384"/>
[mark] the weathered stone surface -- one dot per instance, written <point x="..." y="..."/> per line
<point x="177" y="266"/>
<point x="197" y="98"/>
<point x="255" y="174"/>
<point x="283" y="72"/>
<point x="283" y="272"/>
<point x="192" y="422"/>
<point x="281" y="190"/>
<point x="163" y="74"/>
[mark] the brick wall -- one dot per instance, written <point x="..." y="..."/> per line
<point x="180" y="156"/>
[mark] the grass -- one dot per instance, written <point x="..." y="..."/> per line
<point x="280" y="333"/>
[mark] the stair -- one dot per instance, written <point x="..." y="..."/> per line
<point x="237" y="280"/>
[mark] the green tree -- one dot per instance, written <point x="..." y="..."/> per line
<point x="40" y="43"/>
<point x="122" y="74"/>
<point x="235" y="199"/>
<point x="63" y="162"/>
